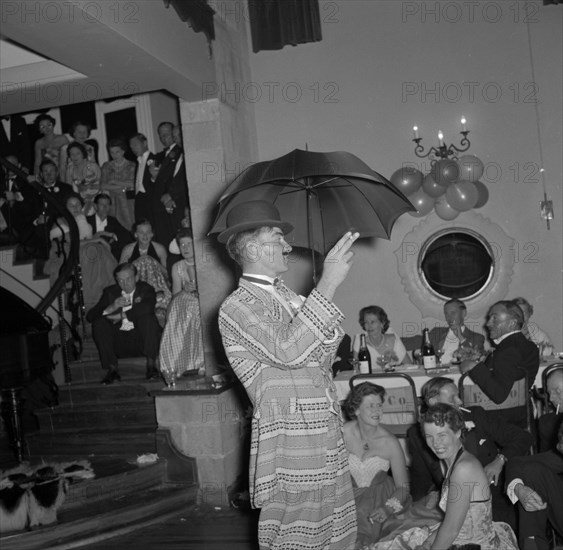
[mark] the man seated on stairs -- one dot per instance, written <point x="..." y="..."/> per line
<point x="124" y="323"/>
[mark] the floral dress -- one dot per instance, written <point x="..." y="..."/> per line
<point x="478" y="528"/>
<point x="120" y="174"/>
<point x="181" y="346"/>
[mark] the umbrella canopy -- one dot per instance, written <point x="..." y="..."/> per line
<point x="322" y="195"/>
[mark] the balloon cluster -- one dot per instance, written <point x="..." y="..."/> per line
<point x="451" y="187"/>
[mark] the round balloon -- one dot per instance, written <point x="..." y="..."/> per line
<point x="422" y="202"/>
<point x="407" y="180"/>
<point x="444" y="209"/>
<point x="432" y="187"/>
<point x="471" y="168"/>
<point x="445" y="172"/>
<point x="483" y="194"/>
<point x="462" y="196"/>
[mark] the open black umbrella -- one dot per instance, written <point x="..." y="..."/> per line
<point x="321" y="194"/>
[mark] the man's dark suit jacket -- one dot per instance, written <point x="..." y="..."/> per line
<point x="543" y="472"/>
<point x="60" y="191"/>
<point x="19" y="214"/>
<point x="144" y="301"/>
<point x="497" y="374"/>
<point x="438" y="337"/>
<point x="484" y="441"/>
<point x="113" y="226"/>
<point x="167" y="224"/>
<point x="18" y="142"/>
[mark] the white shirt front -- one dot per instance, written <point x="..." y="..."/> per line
<point x="142" y="160"/>
<point x="100" y="224"/>
<point x="127" y="325"/>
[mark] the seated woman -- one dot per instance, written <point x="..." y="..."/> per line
<point x="384" y="347"/>
<point x="48" y="146"/>
<point x="181" y="346"/>
<point x="96" y="260"/>
<point x="80" y="132"/>
<point x="149" y="258"/>
<point x="84" y="175"/>
<point x="530" y="330"/>
<point x="118" y="180"/>
<point x="373" y="450"/>
<point x="465" y="496"/>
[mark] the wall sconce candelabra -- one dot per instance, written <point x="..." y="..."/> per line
<point x="443" y="151"/>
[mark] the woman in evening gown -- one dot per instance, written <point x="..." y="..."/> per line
<point x="181" y="347"/>
<point x="49" y="145"/>
<point x="372" y="452"/>
<point x="465" y="497"/>
<point x="84" y="175"/>
<point x="118" y="180"/>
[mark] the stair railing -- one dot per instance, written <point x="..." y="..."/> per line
<point x="71" y="265"/>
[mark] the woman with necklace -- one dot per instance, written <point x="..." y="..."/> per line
<point x="384" y="347"/>
<point x="373" y="450"/>
<point x="465" y="497"/>
<point x="181" y="347"/>
<point x="118" y="180"/>
<point x="49" y="145"/>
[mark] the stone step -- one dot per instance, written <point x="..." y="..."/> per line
<point x="104" y="519"/>
<point x="92" y="417"/>
<point x="113" y="476"/>
<point x="129" y="443"/>
<point x="91" y="370"/>
<point x="78" y="394"/>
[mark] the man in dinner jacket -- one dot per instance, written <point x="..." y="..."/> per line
<point x="281" y="347"/>
<point x="124" y="323"/>
<point x="536" y="482"/>
<point x="513" y="357"/>
<point x="448" y="339"/>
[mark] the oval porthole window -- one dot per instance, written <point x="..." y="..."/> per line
<point x="456" y="263"/>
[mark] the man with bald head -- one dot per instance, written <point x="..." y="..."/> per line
<point x="513" y="357"/>
<point x="536" y="482"/>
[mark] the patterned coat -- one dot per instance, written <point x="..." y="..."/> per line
<point x="284" y="363"/>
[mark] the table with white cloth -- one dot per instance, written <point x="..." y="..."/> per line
<point x="420" y="376"/>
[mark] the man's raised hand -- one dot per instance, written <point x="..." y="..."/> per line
<point x="337" y="264"/>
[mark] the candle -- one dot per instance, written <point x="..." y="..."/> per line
<point x="441" y="137"/>
<point x="415" y="132"/>
<point x="463" y="124"/>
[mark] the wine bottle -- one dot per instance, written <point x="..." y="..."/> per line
<point x="364" y="356"/>
<point x="427" y="350"/>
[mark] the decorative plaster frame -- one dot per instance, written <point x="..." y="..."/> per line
<point x="427" y="301"/>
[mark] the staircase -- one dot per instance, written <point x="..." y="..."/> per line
<point x="110" y="426"/>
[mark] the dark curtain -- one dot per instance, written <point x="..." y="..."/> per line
<point x="277" y="23"/>
<point x="546" y="2"/>
<point x="197" y="14"/>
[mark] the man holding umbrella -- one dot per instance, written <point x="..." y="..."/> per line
<point x="282" y="348"/>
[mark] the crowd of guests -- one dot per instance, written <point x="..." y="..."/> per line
<point x="487" y="451"/>
<point x="132" y="214"/>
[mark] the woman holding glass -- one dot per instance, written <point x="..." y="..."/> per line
<point x="384" y="347"/>
<point x="118" y="180"/>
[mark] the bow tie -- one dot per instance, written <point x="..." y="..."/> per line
<point x="277" y="281"/>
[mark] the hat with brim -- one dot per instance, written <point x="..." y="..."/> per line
<point x="252" y="215"/>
